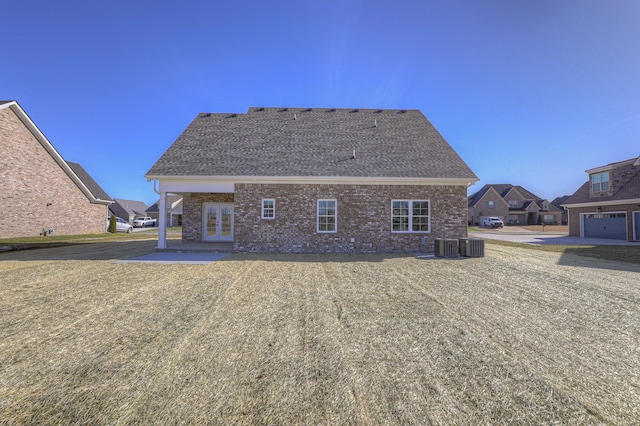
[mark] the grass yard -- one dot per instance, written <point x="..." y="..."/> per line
<point x="519" y="336"/>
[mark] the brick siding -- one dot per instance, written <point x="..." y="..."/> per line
<point x="574" y="217"/>
<point x="192" y="213"/>
<point x="30" y="180"/>
<point x="363" y="211"/>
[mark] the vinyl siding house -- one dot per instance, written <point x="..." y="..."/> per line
<point x="608" y="204"/>
<point x="41" y="193"/>
<point x="315" y="180"/>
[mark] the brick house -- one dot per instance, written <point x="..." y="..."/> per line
<point x="515" y="205"/>
<point x="315" y="180"/>
<point x="40" y="192"/>
<point x="608" y="204"/>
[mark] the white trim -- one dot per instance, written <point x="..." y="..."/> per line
<point x="274" y="208"/>
<point x="381" y="180"/>
<point x="219" y="223"/>
<point x="633" y="225"/>
<point x="318" y="216"/>
<point x="410" y="224"/>
<point x="603" y="203"/>
<point x="613" y="165"/>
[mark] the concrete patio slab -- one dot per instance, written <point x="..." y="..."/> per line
<point x="189" y="258"/>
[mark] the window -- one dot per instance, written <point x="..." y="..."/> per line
<point x="491" y="204"/>
<point x="410" y="216"/>
<point x="327" y="216"/>
<point x="513" y="204"/>
<point x="268" y="208"/>
<point x="600" y="182"/>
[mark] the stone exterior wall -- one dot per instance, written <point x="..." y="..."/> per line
<point x="574" y="217"/>
<point x="192" y="213"/>
<point x="363" y="217"/>
<point x="35" y="193"/>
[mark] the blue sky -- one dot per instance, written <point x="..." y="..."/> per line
<point x="527" y="92"/>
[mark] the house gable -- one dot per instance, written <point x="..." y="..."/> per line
<point x="49" y="148"/>
<point x="41" y="194"/>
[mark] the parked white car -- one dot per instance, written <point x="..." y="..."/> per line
<point x="493" y="222"/>
<point x="143" y="222"/>
<point x="121" y="225"/>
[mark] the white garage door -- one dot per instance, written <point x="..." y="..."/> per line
<point x="605" y="225"/>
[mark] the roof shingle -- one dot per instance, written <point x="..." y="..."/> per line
<point x="312" y="142"/>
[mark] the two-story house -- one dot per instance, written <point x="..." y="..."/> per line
<point x="515" y="205"/>
<point x="608" y="204"/>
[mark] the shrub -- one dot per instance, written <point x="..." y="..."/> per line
<point x="112" y="224"/>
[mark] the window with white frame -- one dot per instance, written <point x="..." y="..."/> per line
<point x="600" y="182"/>
<point x="410" y="216"/>
<point x="327" y="216"/>
<point x="268" y="208"/>
<point x="491" y="204"/>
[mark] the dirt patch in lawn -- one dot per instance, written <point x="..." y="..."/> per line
<point x="509" y="338"/>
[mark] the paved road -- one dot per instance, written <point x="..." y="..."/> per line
<point x="521" y="235"/>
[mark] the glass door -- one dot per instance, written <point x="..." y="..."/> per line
<point x="217" y="222"/>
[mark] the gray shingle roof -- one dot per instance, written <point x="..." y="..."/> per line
<point x="312" y="143"/>
<point x="629" y="190"/>
<point x="88" y="181"/>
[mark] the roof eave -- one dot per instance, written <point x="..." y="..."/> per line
<point x="602" y="203"/>
<point x="48" y="146"/>
<point x="377" y="180"/>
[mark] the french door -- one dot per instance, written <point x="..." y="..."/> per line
<point x="217" y="222"/>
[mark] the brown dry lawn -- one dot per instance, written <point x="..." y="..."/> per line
<point x="519" y="336"/>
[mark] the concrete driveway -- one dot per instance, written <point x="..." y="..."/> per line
<point x="520" y="235"/>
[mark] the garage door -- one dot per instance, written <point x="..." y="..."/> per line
<point x="606" y="225"/>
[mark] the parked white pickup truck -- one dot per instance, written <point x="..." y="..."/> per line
<point x="493" y="222"/>
<point x="143" y="222"/>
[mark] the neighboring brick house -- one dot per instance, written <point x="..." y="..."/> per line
<point x="559" y="203"/>
<point x="608" y="204"/>
<point x="513" y="204"/>
<point x="40" y="192"/>
<point x="315" y="180"/>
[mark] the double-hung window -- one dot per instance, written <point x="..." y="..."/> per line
<point x="410" y="216"/>
<point x="327" y="216"/>
<point x="600" y="182"/>
<point x="268" y="208"/>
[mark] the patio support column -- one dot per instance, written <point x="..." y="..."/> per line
<point x="162" y="221"/>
